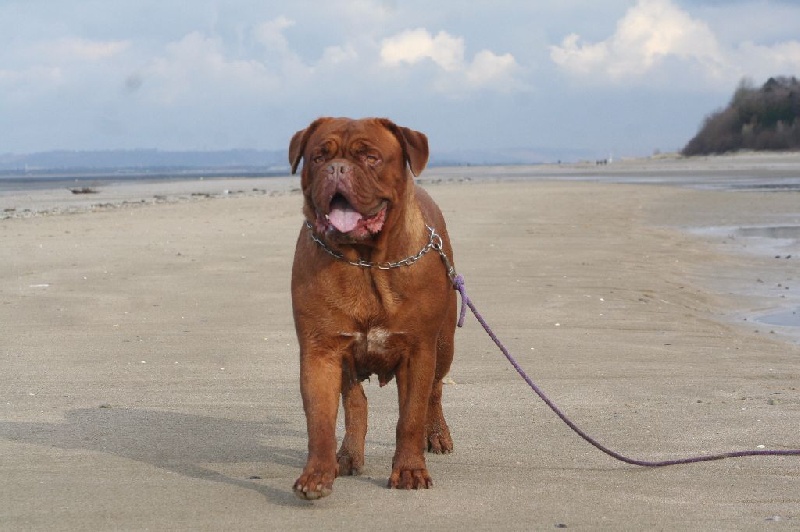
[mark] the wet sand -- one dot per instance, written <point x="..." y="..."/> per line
<point x="150" y="366"/>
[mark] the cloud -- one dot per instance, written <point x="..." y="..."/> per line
<point x="338" y="55"/>
<point x="413" y="46"/>
<point x="649" y="33"/>
<point x="49" y="61"/>
<point x="487" y="70"/>
<point x="48" y="66"/>
<point x="657" y="42"/>
<point x="202" y="67"/>
<point x="25" y="86"/>
<point x="762" y="61"/>
<point x="78" y="49"/>
<point x="196" y="67"/>
<point x="270" y="33"/>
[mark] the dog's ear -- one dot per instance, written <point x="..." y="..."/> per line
<point x="299" y="140"/>
<point x="414" y="143"/>
<point x="417" y="149"/>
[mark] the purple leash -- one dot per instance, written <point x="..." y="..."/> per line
<point x="436" y="243"/>
<point x="458" y="284"/>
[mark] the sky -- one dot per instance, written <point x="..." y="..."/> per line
<point x="598" y="78"/>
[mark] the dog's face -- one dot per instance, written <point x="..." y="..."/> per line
<point x="354" y="173"/>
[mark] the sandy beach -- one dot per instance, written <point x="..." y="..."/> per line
<point x="150" y="368"/>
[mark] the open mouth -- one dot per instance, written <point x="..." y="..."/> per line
<point x="346" y="219"/>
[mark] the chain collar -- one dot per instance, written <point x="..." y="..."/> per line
<point x="434" y="242"/>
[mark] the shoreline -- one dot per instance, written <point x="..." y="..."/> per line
<point x="60" y="200"/>
<point x="748" y="171"/>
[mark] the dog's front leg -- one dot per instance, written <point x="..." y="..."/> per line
<point x="351" y="453"/>
<point x="320" y="386"/>
<point x="414" y="385"/>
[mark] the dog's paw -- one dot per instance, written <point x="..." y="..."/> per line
<point x="350" y="463"/>
<point x="314" y="484"/>
<point x="410" y="479"/>
<point x="440" y="442"/>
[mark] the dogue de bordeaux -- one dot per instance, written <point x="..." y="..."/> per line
<point x="368" y="297"/>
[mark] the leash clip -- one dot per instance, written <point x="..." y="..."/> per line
<point x="438" y="245"/>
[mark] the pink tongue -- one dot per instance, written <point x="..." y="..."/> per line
<point x="343" y="217"/>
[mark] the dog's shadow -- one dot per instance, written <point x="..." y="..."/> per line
<point x="173" y="441"/>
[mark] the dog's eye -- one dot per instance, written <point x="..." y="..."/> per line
<point x="371" y="160"/>
<point x="317" y="159"/>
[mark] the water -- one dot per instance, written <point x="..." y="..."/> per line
<point x="53" y="181"/>
<point x="779" y="245"/>
<point x="784" y="318"/>
<point x="786" y="234"/>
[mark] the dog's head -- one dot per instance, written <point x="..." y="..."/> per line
<point x="355" y="172"/>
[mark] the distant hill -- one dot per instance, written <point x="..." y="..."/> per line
<point x="765" y="118"/>
<point x="233" y="162"/>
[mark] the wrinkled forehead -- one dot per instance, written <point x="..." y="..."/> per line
<point x="347" y="132"/>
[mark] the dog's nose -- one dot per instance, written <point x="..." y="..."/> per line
<point x="339" y="169"/>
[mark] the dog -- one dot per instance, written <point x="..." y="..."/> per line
<point x="370" y="296"/>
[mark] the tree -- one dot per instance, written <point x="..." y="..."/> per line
<point x="766" y="118"/>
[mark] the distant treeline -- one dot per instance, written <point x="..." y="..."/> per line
<point x="765" y="118"/>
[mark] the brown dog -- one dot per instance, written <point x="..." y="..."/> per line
<point x="359" y="307"/>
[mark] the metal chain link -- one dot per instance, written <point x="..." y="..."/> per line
<point x="434" y="242"/>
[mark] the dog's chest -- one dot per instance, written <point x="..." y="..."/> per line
<point x="377" y="351"/>
<point x="376" y="342"/>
